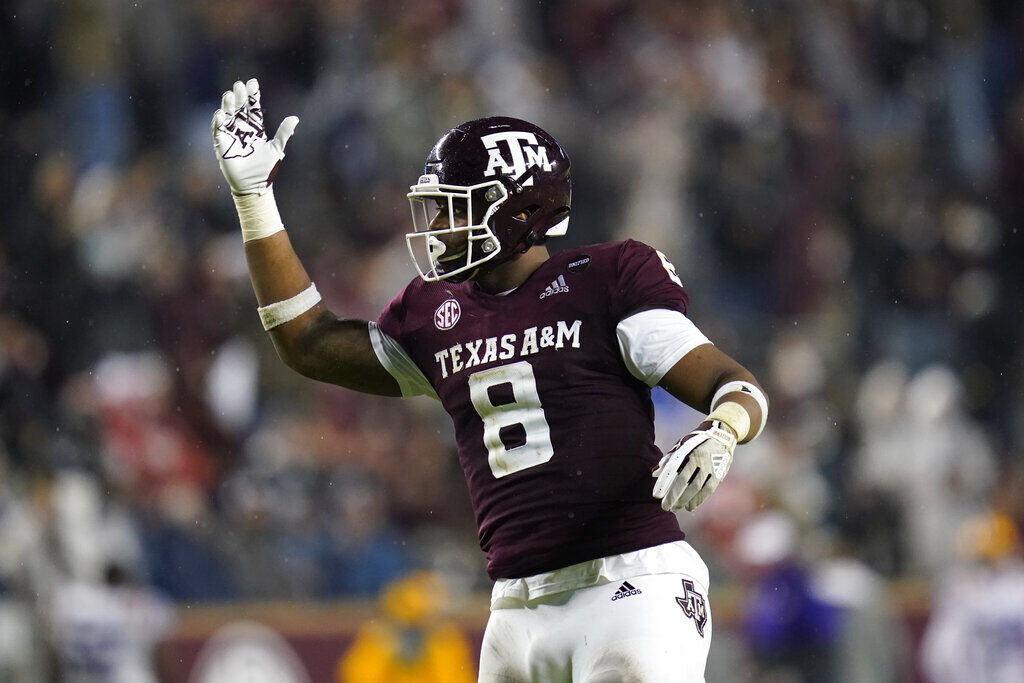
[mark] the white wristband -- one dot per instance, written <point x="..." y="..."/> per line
<point x="748" y="389"/>
<point x="281" y="312"/>
<point x="258" y="215"/>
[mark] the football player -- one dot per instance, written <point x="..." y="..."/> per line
<point x="545" y="364"/>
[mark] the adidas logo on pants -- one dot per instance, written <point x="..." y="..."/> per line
<point x="625" y="590"/>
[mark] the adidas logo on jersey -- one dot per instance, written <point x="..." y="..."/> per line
<point x="557" y="286"/>
<point x="625" y="590"/>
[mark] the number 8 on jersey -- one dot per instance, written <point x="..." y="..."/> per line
<point x="524" y="410"/>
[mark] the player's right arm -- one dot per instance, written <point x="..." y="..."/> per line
<point x="307" y="336"/>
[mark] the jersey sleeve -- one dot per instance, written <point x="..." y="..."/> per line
<point x="385" y="334"/>
<point x="652" y="341"/>
<point x="645" y="279"/>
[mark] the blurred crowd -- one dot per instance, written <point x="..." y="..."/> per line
<point x="840" y="184"/>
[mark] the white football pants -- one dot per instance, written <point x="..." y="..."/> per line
<point x="652" y="628"/>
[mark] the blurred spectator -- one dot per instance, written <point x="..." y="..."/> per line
<point x="790" y="630"/>
<point x="410" y="641"/>
<point x="27" y="568"/>
<point x="364" y="551"/>
<point x="929" y="455"/>
<point x="871" y="645"/>
<point x="182" y="556"/>
<point x="976" y="632"/>
<point x="245" y="651"/>
<point x="107" y="630"/>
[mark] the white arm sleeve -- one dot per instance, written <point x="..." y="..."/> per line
<point x="652" y="341"/>
<point x="397" y="362"/>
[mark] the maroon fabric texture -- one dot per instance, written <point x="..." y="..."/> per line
<point x="592" y="498"/>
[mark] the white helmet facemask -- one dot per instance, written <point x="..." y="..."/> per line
<point x="442" y="253"/>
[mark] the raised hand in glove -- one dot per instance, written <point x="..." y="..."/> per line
<point x="691" y="471"/>
<point x="248" y="160"/>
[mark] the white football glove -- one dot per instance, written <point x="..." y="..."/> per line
<point x="248" y="160"/>
<point x="691" y="471"/>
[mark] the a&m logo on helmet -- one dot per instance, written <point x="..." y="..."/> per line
<point x="525" y="151"/>
<point x="447" y="314"/>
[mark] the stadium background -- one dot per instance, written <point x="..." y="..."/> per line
<point x="839" y="184"/>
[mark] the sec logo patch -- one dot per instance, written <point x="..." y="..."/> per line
<point x="447" y="314"/>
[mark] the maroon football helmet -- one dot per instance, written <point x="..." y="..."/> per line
<point x="487" y="173"/>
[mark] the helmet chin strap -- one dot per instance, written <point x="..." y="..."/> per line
<point x="521" y="180"/>
<point x="529" y="240"/>
<point x="515" y="186"/>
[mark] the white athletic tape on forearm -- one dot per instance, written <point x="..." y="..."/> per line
<point x="281" y="312"/>
<point x="744" y="388"/>
<point x="258" y="215"/>
<point x="734" y="415"/>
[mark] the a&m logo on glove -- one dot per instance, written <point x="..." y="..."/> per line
<point x="244" y="127"/>
<point x="247" y="158"/>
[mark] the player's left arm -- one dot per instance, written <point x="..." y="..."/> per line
<point x="660" y="345"/>
<point x="710" y="381"/>
<point x="697" y="377"/>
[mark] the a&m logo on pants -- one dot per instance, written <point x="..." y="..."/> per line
<point x="694" y="606"/>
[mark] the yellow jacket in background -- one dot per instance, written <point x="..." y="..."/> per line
<point x="376" y="656"/>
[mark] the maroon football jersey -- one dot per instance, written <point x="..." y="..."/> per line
<point x="555" y="436"/>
